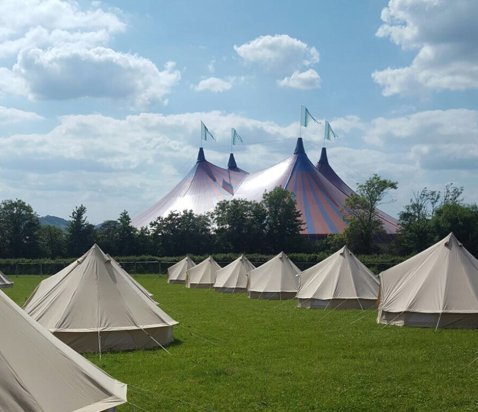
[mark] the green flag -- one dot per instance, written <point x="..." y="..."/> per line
<point x="205" y="132"/>
<point x="306" y="117"/>
<point x="328" y="132"/>
<point x="236" y="138"/>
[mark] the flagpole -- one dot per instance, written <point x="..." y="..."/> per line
<point x="300" y="122"/>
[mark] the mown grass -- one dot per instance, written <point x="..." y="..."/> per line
<point x="233" y="353"/>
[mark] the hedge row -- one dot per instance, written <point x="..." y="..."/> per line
<point x="158" y="265"/>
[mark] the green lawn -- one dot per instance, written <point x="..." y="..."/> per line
<point x="233" y="353"/>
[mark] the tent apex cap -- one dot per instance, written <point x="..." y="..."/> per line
<point x="299" y="147"/>
<point x="201" y="156"/>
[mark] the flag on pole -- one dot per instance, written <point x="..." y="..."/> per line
<point x="328" y="132"/>
<point x="306" y="117"/>
<point x="205" y="132"/>
<point x="236" y="138"/>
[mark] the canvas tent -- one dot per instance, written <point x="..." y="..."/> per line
<point x="319" y="192"/>
<point x="177" y="272"/>
<point x="94" y="306"/>
<point x="233" y="277"/>
<point x="275" y="279"/>
<point x="38" y="372"/>
<point x="203" y="275"/>
<point x="340" y="281"/>
<point x="436" y="288"/>
<point x="389" y="223"/>
<point x="5" y="282"/>
<point x="203" y="187"/>
<point x="319" y="197"/>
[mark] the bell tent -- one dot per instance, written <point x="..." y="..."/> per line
<point x="203" y="275"/>
<point x="437" y="288"/>
<point x="93" y="305"/>
<point x="5" y="282"/>
<point x="340" y="281"/>
<point x="233" y="277"/>
<point x="177" y="272"/>
<point x="275" y="279"/>
<point x="38" y="372"/>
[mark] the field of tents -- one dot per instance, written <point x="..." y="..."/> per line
<point x="235" y="353"/>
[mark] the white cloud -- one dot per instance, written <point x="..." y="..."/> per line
<point x="10" y="115"/>
<point x="309" y="79"/>
<point x="283" y="55"/>
<point x="277" y="52"/>
<point x="129" y="163"/>
<point x="433" y="127"/>
<point x="11" y="83"/>
<point x="444" y="35"/>
<point x="43" y="23"/>
<point x="98" y="72"/>
<point x="61" y="52"/>
<point x="213" y="84"/>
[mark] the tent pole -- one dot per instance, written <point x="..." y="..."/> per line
<point x="99" y="343"/>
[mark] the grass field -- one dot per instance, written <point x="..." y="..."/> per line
<point x="233" y="353"/>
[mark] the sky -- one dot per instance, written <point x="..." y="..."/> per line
<point x="101" y="101"/>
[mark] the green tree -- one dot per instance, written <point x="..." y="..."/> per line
<point x="19" y="226"/>
<point x="51" y="240"/>
<point x="107" y="237"/>
<point x="127" y="236"/>
<point x="239" y="225"/>
<point x="364" y="224"/>
<point x="460" y="219"/>
<point x="181" y="233"/>
<point x="415" y="231"/>
<point x="283" y="221"/>
<point x="144" y="241"/>
<point x="80" y="234"/>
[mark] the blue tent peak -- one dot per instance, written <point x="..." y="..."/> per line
<point x="323" y="158"/>
<point x="201" y="157"/>
<point x="231" y="164"/>
<point x="299" y="147"/>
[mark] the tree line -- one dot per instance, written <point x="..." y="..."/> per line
<point x="242" y="226"/>
<point x="234" y="226"/>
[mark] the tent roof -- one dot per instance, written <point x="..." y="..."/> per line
<point x="39" y="372"/>
<point x="278" y="274"/>
<point x="319" y="192"/>
<point x="441" y="279"/>
<point x="389" y="223"/>
<point x="340" y="276"/>
<point x="4" y="281"/>
<point x="178" y="270"/>
<point x="234" y="275"/>
<point x="203" y="187"/>
<point x="94" y="294"/>
<point x="319" y="201"/>
<point x="204" y="272"/>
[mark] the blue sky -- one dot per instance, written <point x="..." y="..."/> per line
<point x="101" y="102"/>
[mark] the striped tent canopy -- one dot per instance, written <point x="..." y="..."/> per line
<point x="319" y="192"/>
<point x="320" y="197"/>
<point x="203" y="187"/>
<point x="389" y="223"/>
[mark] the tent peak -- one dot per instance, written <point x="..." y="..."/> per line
<point x="344" y="250"/>
<point x="299" y="147"/>
<point x="231" y="164"/>
<point x="201" y="157"/>
<point x="323" y="157"/>
<point x="451" y="238"/>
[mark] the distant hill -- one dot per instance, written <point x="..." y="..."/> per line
<point x="54" y="221"/>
